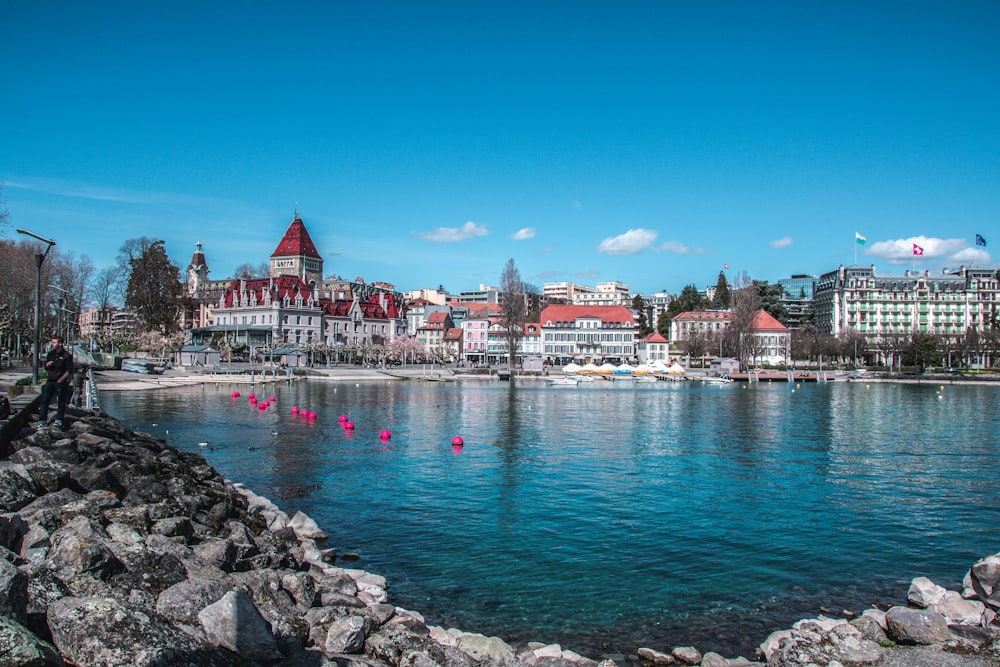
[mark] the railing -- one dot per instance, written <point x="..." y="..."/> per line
<point x="91" y="397"/>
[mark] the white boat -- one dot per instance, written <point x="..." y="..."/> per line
<point x="585" y="378"/>
<point x="722" y="379"/>
<point x="644" y="379"/>
<point x="558" y="382"/>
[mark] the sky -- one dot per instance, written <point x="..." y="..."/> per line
<point x="426" y="143"/>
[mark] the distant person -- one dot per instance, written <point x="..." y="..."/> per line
<point x="59" y="366"/>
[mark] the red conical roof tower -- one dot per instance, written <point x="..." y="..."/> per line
<point x="296" y="254"/>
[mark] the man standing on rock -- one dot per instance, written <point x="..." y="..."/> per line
<point x="59" y="366"/>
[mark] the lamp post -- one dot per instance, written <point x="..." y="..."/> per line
<point x="39" y="258"/>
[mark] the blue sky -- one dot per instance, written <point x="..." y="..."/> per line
<point x="427" y="143"/>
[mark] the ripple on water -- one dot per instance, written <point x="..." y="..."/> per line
<point x="608" y="517"/>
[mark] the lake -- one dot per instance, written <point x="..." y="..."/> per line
<point x="610" y="516"/>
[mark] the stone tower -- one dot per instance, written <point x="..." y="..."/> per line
<point x="197" y="271"/>
<point x="296" y="255"/>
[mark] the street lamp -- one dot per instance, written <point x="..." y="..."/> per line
<point x="39" y="258"/>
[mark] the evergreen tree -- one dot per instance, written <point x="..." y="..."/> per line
<point x="154" y="290"/>
<point x="639" y="306"/>
<point x="770" y="300"/>
<point x="722" y="297"/>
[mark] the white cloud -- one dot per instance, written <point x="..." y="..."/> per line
<point x="631" y="242"/>
<point x="900" y="251"/>
<point x="524" y="234"/>
<point x="783" y="242"/>
<point x="679" y="248"/>
<point x="469" y="230"/>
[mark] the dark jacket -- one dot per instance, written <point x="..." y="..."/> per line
<point x="58" y="364"/>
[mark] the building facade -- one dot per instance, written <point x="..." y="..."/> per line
<point x="857" y="299"/>
<point x="711" y="323"/>
<point x="587" y="332"/>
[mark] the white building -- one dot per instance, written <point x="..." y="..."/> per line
<point x="594" y="332"/>
<point x="612" y="293"/>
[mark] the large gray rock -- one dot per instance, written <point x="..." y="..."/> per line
<point x="50" y="474"/>
<point x="984" y="576"/>
<point x="487" y="650"/>
<point x="78" y="548"/>
<point x="13" y="528"/>
<point x="13" y="592"/>
<point x="17" y="489"/>
<point x="812" y="643"/>
<point x="346" y="635"/>
<point x="19" y="647"/>
<point x="923" y="593"/>
<point x="656" y="657"/>
<point x="916" y="626"/>
<point x="305" y="526"/>
<point x="234" y="623"/>
<point x="183" y="601"/>
<point x="92" y="632"/>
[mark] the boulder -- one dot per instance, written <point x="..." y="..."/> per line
<point x="19" y="647"/>
<point x="182" y="602"/>
<point x="346" y="635"/>
<point x="304" y="526"/>
<point x="13" y="592"/>
<point x="984" y="577"/>
<point x="79" y="548"/>
<point x="923" y="593"/>
<point x="916" y="626"/>
<point x="107" y="632"/>
<point x="17" y="489"/>
<point x="686" y="655"/>
<point x="959" y="611"/>
<point x="487" y="650"/>
<point x="234" y="623"/>
<point x="656" y="657"/>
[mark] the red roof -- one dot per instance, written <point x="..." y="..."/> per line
<point x="570" y="313"/>
<point x="437" y="317"/>
<point x="296" y="242"/>
<point x="453" y="334"/>
<point x="655" y="337"/>
<point x="764" y="321"/>
<point x="532" y="328"/>
<point x="279" y="286"/>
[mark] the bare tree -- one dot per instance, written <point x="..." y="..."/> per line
<point x="512" y="309"/>
<point x="739" y="341"/>
<point x="247" y="270"/>
<point x="103" y="288"/>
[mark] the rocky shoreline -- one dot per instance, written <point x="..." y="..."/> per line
<point x="121" y="550"/>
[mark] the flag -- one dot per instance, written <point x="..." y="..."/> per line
<point x="726" y="266"/>
<point x="980" y="240"/>
<point x="917" y="250"/>
<point x="859" y="238"/>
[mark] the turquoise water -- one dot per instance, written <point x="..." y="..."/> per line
<point x="612" y="516"/>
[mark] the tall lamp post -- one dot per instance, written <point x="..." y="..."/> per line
<point x="39" y="258"/>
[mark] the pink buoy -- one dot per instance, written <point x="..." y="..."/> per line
<point x="457" y="441"/>
<point x="253" y="400"/>
<point x="385" y="435"/>
<point x="312" y="416"/>
<point x="236" y="394"/>
<point x="295" y="410"/>
<point x="272" y="399"/>
<point x="349" y="426"/>
<point x="262" y="406"/>
<point x="343" y="418"/>
<point x="250" y="395"/>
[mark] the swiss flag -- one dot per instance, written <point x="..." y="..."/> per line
<point x="917" y="250"/>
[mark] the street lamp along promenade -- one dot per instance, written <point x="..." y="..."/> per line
<point x="39" y="258"/>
